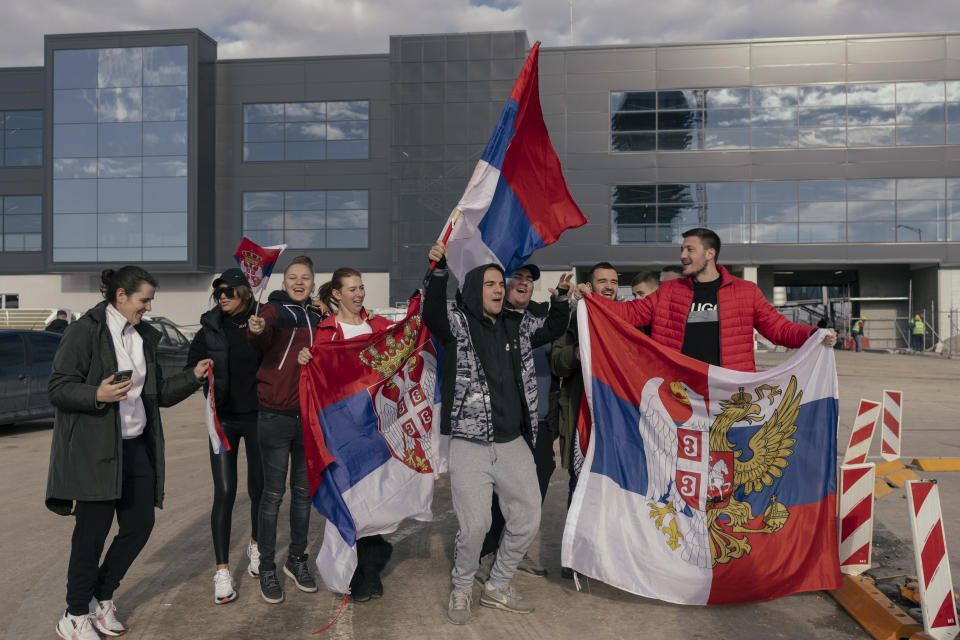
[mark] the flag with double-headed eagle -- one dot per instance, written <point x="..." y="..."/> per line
<point x="703" y="485"/>
<point x="257" y="263"/>
<point x="370" y="407"/>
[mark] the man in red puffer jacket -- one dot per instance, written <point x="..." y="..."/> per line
<point x="709" y="314"/>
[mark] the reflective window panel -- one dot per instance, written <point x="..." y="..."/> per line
<point x="21" y="138"/>
<point x="854" y="115"/>
<point x="307" y="131"/>
<point x="120" y="168"/>
<point x="336" y="219"/>
<point x="809" y="211"/>
<point x="20" y="223"/>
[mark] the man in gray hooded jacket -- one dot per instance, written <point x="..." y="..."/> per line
<point x="489" y="400"/>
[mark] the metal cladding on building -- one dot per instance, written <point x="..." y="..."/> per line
<point x="821" y="162"/>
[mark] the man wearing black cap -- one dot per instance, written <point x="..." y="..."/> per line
<point x="223" y="338"/>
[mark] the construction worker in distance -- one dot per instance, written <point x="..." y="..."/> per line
<point x="857" y="332"/>
<point x="916" y="339"/>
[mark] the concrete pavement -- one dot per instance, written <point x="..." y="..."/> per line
<point x="168" y="592"/>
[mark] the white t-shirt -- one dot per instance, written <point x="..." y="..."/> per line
<point x="354" y="330"/>
<point x="128" y="345"/>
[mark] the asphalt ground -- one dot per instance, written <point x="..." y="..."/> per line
<point x="168" y="592"/>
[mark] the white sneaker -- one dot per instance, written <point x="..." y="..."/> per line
<point x="104" y="616"/>
<point x="224" y="586"/>
<point x="253" y="552"/>
<point x="76" y="628"/>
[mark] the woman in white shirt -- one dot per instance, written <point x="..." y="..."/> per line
<point x="106" y="457"/>
<point x="345" y="294"/>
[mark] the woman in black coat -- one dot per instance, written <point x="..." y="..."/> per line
<point x="106" y="457"/>
<point x="223" y="338"/>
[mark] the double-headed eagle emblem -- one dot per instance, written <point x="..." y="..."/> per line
<point x="686" y="503"/>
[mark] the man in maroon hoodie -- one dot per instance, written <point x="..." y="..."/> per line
<point x="283" y="326"/>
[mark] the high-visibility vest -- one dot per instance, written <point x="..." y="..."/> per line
<point x="918" y="327"/>
<point x="858" y="326"/>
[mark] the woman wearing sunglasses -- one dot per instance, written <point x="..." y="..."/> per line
<point x="223" y="338"/>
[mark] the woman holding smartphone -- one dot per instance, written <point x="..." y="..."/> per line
<point x="223" y="338"/>
<point x="106" y="458"/>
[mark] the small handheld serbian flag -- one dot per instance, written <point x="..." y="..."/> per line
<point x="517" y="200"/>
<point x="218" y="440"/>
<point x="257" y="263"/>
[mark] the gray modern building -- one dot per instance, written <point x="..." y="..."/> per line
<point x="829" y="166"/>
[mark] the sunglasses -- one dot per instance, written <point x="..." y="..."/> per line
<point x="220" y="292"/>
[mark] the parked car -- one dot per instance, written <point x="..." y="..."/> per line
<point x="173" y="348"/>
<point x="26" y="359"/>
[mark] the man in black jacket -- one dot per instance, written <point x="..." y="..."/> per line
<point x="489" y="402"/>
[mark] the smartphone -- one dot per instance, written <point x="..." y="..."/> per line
<point x="122" y="376"/>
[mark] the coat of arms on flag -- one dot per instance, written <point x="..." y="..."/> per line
<point x="703" y="485"/>
<point x="368" y="406"/>
<point x="257" y="263"/>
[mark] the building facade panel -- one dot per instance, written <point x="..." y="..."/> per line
<point x="789" y="114"/>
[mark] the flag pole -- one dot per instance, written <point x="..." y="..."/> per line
<point x="443" y="240"/>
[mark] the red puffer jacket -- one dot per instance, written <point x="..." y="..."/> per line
<point x="741" y="309"/>
<point x="329" y="330"/>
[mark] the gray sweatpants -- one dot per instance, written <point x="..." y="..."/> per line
<point x="476" y="471"/>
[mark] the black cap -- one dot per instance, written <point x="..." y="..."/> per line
<point x="231" y="277"/>
<point x="532" y="268"/>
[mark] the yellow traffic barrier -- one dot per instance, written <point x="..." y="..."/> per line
<point x="937" y="464"/>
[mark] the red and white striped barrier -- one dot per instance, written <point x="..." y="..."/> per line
<point x="856" y="517"/>
<point x="890" y="432"/>
<point x="862" y="434"/>
<point x="933" y="565"/>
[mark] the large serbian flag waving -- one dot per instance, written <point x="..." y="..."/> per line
<point x="704" y="485"/>
<point x="368" y="406"/>
<point x="517" y="200"/>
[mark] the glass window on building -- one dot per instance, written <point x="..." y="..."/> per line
<point x="787" y="117"/>
<point x="21" y="138"/>
<point x="306" y="131"/>
<point x="120" y="154"/>
<point x="805" y="212"/>
<point x="336" y="219"/>
<point x="21" y="223"/>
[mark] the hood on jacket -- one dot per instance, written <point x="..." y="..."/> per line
<point x="470" y="296"/>
<point x="282" y="297"/>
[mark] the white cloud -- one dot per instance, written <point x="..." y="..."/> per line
<point x="246" y="29"/>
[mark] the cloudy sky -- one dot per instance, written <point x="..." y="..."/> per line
<point x="247" y="28"/>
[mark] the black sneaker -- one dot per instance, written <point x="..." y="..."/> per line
<point x="270" y="587"/>
<point x="299" y="571"/>
<point x="359" y="588"/>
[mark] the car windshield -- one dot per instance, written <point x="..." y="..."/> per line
<point x="169" y="334"/>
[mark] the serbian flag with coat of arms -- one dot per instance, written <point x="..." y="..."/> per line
<point x="517" y="200"/>
<point x="257" y="263"/>
<point x="704" y="485"/>
<point x="370" y="408"/>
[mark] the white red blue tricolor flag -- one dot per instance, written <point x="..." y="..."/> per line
<point x="257" y="263"/>
<point x="218" y="440"/>
<point x="517" y="200"/>
<point x="703" y="485"/>
<point x="369" y="406"/>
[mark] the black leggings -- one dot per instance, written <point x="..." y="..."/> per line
<point x="224" y="468"/>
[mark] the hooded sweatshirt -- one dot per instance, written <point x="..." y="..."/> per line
<point x="499" y="356"/>
<point x="467" y="410"/>
<point x="289" y="328"/>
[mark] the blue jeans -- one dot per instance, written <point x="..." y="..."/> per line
<point x="281" y="441"/>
